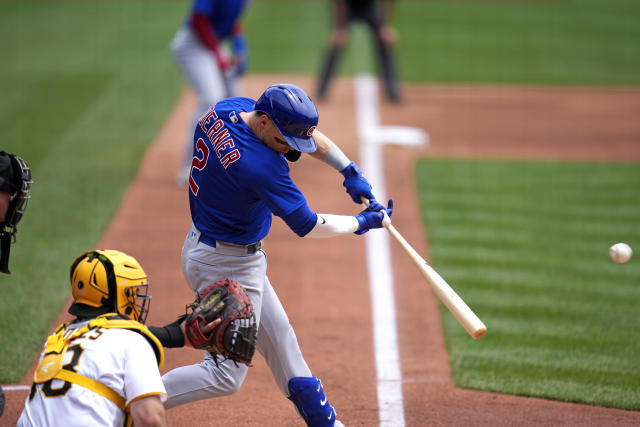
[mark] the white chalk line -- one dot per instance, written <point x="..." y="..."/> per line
<point x="15" y="387"/>
<point x="372" y="136"/>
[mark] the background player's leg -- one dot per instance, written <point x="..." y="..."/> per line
<point x="372" y="16"/>
<point x="328" y="69"/>
<point x="389" y="71"/>
<point x="201" y="69"/>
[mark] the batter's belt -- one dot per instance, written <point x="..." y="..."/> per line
<point x="231" y="248"/>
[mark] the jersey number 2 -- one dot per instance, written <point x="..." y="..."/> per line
<point x="198" y="163"/>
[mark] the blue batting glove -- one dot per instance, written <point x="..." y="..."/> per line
<point x="356" y="184"/>
<point x="374" y="205"/>
<point x="368" y="219"/>
<point x="242" y="54"/>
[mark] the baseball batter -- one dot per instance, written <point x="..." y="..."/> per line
<point x="102" y="367"/>
<point x="200" y="49"/>
<point x="240" y="178"/>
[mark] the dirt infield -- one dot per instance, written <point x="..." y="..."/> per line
<point x="335" y="333"/>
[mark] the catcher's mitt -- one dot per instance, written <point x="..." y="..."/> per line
<point x="236" y="336"/>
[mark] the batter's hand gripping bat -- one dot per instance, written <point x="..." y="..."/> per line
<point x="460" y="310"/>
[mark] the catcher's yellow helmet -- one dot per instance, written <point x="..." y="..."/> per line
<point x="106" y="281"/>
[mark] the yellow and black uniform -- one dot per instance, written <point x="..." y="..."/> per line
<point x="90" y="372"/>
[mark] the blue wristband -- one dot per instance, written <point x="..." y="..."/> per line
<point x="351" y="171"/>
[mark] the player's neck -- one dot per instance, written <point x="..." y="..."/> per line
<point x="249" y="118"/>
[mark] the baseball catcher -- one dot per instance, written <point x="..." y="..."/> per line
<point x="221" y="320"/>
<point x="103" y="367"/>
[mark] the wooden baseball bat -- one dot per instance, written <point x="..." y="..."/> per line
<point x="460" y="310"/>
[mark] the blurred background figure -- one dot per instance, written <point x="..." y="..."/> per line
<point x="211" y="50"/>
<point x="377" y="15"/>
<point x="15" y="182"/>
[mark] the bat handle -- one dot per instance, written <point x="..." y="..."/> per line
<point x="386" y="221"/>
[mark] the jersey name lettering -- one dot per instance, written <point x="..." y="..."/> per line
<point x="220" y="139"/>
<point x="206" y="118"/>
<point x="217" y="139"/>
<point x="229" y="158"/>
<point x="214" y="129"/>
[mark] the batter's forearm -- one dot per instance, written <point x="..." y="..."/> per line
<point x="323" y="144"/>
<point x="328" y="152"/>
<point x="329" y="225"/>
<point x="356" y="184"/>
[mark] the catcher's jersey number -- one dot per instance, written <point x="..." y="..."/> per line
<point x="47" y="388"/>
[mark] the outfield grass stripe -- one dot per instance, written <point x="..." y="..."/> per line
<point x="526" y="246"/>
<point x="569" y="245"/>
<point x="577" y="42"/>
<point x="528" y="282"/>
<point x="560" y="42"/>
<point x="455" y="204"/>
<point x="547" y="359"/>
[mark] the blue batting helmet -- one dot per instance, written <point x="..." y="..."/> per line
<point x="293" y="112"/>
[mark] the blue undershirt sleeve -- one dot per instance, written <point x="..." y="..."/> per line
<point x="301" y="220"/>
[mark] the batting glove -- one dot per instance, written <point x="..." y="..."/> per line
<point x="357" y="185"/>
<point x="368" y="219"/>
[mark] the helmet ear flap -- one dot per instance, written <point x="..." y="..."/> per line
<point x="92" y="285"/>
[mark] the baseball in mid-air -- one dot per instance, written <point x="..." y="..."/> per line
<point x="620" y="252"/>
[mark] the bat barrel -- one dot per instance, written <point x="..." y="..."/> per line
<point x="456" y="305"/>
<point x="460" y="310"/>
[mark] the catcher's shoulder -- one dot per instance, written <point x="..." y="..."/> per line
<point x="119" y="322"/>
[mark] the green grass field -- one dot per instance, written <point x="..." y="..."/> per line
<point x="549" y="42"/>
<point x="86" y="85"/>
<point x="80" y="102"/>
<point x="526" y="245"/>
